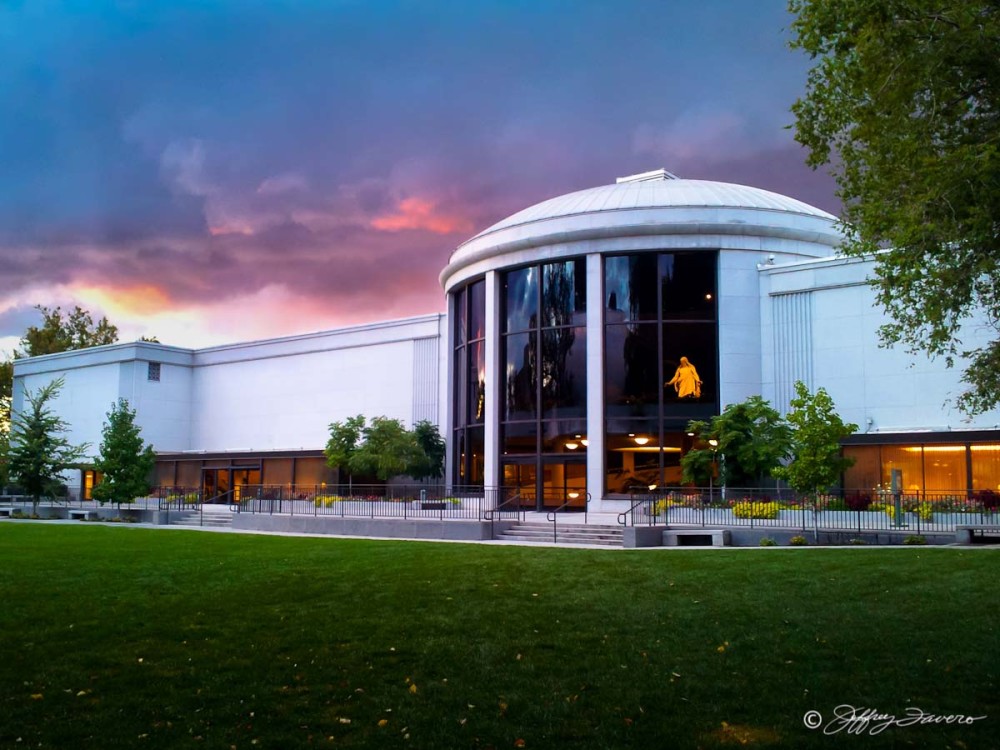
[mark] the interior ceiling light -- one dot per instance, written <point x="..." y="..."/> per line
<point x="584" y="443"/>
<point x="641" y="440"/>
<point x="572" y="446"/>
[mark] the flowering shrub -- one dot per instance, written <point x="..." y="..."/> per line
<point x="766" y="541"/>
<point x="924" y="510"/>
<point x="888" y="509"/>
<point x="326" y="501"/>
<point x="751" y="509"/>
<point x="798" y="541"/>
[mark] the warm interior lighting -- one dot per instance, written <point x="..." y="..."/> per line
<point x="647" y="449"/>
<point x="572" y="446"/>
<point x="652" y="487"/>
<point x="641" y="440"/>
<point x="584" y="443"/>
<point x="708" y="296"/>
<point x="714" y="443"/>
<point x="574" y="495"/>
<point x="935" y="449"/>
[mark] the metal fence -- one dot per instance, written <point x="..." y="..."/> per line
<point x="376" y="501"/>
<point x="909" y="512"/>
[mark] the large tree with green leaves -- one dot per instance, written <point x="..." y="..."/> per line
<point x="387" y="449"/>
<point x="39" y="452"/>
<point x="904" y="101"/>
<point x="817" y="461"/>
<point x="751" y="440"/>
<point x="429" y="464"/>
<point x="125" y="461"/>
<point x="63" y="333"/>
<point x="344" y="440"/>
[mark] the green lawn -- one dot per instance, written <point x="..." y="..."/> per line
<point x="129" y="637"/>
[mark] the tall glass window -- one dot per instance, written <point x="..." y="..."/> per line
<point x="660" y="362"/>
<point x="544" y="381"/>
<point x="469" y="406"/>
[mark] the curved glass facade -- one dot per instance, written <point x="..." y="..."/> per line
<point x="660" y="362"/>
<point x="469" y="379"/>
<point x="543" y="384"/>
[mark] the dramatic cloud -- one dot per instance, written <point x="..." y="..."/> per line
<point x="213" y="171"/>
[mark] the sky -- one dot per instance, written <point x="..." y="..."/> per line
<point x="211" y="172"/>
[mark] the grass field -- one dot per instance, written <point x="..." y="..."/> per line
<point x="129" y="637"/>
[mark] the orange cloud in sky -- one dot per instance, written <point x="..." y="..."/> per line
<point x="126" y="301"/>
<point x="418" y="213"/>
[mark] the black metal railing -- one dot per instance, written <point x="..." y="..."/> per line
<point x="368" y="501"/>
<point x="572" y="501"/>
<point x="851" y="511"/>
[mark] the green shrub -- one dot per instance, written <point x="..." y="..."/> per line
<point x="915" y="539"/>
<point x="856" y="540"/>
<point x="925" y="511"/>
<point x="798" y="541"/>
<point x="326" y="501"/>
<point x="766" y="541"/>
<point x="751" y="509"/>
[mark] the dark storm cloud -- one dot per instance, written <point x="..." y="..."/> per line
<point x="213" y="148"/>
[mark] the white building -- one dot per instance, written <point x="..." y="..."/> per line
<point x="551" y="371"/>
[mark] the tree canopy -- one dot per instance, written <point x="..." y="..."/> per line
<point x="125" y="461"/>
<point x="384" y="448"/>
<point x="39" y="452"/>
<point x="904" y="102"/>
<point x="59" y="333"/>
<point x="817" y="430"/>
<point x="752" y="439"/>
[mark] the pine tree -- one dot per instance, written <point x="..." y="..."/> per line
<point x="125" y="460"/>
<point x="39" y="453"/>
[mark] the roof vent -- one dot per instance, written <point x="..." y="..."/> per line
<point x="656" y="174"/>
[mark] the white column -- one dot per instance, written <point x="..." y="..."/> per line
<point x="595" y="380"/>
<point x="446" y="408"/>
<point x="491" y="470"/>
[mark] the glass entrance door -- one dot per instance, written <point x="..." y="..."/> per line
<point x="244" y="478"/>
<point x="215" y="484"/>
<point x="564" y="482"/>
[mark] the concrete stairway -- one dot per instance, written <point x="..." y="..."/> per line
<point x="566" y="533"/>
<point x="210" y="517"/>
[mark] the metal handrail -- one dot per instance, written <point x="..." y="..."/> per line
<point x="551" y="515"/>
<point x="623" y="517"/>
<point x="490" y="513"/>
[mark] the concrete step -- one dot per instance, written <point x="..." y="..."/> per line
<point x="542" y="533"/>
<point x="195" y="519"/>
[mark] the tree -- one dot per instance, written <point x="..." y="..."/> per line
<point x="752" y="439"/>
<point x="61" y="334"/>
<point x="430" y="464"/>
<point x="344" y="439"/>
<point x="39" y="453"/>
<point x="125" y="461"/>
<point x="387" y="450"/>
<point x="904" y="101"/>
<point x="816" y="462"/>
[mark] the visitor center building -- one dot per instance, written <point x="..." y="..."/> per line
<point x="581" y="336"/>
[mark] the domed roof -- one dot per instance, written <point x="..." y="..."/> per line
<point x="653" y="204"/>
<point x="658" y="189"/>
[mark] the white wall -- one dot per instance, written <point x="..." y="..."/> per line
<point x="284" y="393"/>
<point x="897" y="391"/>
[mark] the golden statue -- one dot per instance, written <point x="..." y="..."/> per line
<point x="686" y="382"/>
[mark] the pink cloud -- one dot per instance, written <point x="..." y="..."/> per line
<point x="419" y="213"/>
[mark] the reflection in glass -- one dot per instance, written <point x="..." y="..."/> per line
<point x="630" y="288"/>
<point x="521" y="376"/>
<point x="520" y="438"/>
<point x="521" y="299"/>
<point x="632" y="380"/>
<point x="477" y="383"/>
<point x="461" y="316"/>
<point x="564" y="371"/>
<point x="687" y="288"/>
<point x="477" y="310"/>
<point x="563" y="292"/>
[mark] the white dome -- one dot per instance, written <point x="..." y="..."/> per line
<point x="650" y="204"/>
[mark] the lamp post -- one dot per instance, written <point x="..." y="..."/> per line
<point x="711" y="476"/>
